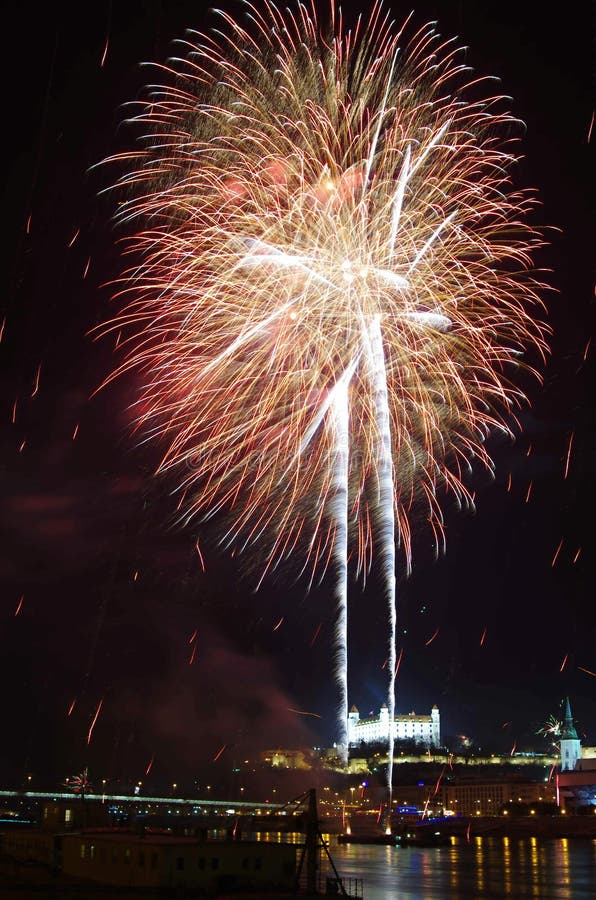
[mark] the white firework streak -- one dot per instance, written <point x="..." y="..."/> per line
<point x="385" y="514"/>
<point x="338" y="509"/>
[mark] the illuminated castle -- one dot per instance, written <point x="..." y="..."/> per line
<point x="421" y="729"/>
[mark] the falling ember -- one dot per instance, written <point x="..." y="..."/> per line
<point x="75" y="432"/>
<point x="302" y="712"/>
<point x="564" y="663"/>
<point x="431" y="639"/>
<point x="219" y="752"/>
<point x="2" y="328"/>
<point x="505" y="724"/>
<point x="105" y="53"/>
<point x="92" y="726"/>
<point x="86" y="269"/>
<point x="590" y="127"/>
<point x="529" y="450"/>
<point x="193" y="654"/>
<point x="398" y="663"/>
<point x="36" y="385"/>
<point x="468" y="832"/>
<point x="14" y="411"/>
<point x="74" y="237"/>
<point x="20" y="603"/>
<point x="587" y="348"/>
<point x="577" y="555"/>
<point x="193" y="636"/>
<point x="513" y="748"/>
<point x="278" y="624"/>
<point x="568" y="455"/>
<point x="587" y="671"/>
<point x="71" y="707"/>
<point x="529" y="491"/>
<point x="316" y="634"/>
<point x="509" y="482"/>
<point x="136" y="575"/>
<point x="557" y="551"/>
<point x="22" y="446"/>
<point x="201" y="560"/>
<point x="482" y="638"/>
<point x="150" y="766"/>
<point x="28" y="226"/>
<point x="181" y="500"/>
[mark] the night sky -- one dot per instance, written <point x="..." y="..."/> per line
<point x="113" y="590"/>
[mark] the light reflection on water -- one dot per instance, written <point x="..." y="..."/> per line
<point x="486" y="868"/>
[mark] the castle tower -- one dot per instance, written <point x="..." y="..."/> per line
<point x="353" y="718"/>
<point x="570" y="743"/>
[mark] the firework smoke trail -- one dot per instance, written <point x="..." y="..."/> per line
<point x="321" y="217"/>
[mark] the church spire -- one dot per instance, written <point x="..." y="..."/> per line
<point x="568" y="731"/>
<point x="569" y="743"/>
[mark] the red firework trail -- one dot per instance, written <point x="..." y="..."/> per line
<point x="105" y="53"/>
<point x="587" y="348"/>
<point x="568" y="455"/>
<point x="22" y="446"/>
<point x="564" y="663"/>
<point x="278" y="624"/>
<point x="483" y="636"/>
<point x="557" y="551"/>
<point x="2" y="327"/>
<point x="36" y="386"/>
<point x="74" y="237"/>
<point x="316" y="634"/>
<point x="201" y="560"/>
<point x="193" y="636"/>
<point x="431" y="639"/>
<point x="192" y="655"/>
<point x="14" y="410"/>
<point x="590" y="127"/>
<point x="20" y="603"/>
<point x="576" y="557"/>
<point x="398" y="663"/>
<point x="95" y="717"/>
<point x="86" y="270"/>
<point x="505" y="724"/>
<point x="302" y="712"/>
<point x="513" y="748"/>
<point x="71" y="707"/>
<point x="150" y="766"/>
<point x="436" y="790"/>
<point x="218" y="754"/>
<point x="75" y="432"/>
<point x="587" y="671"/>
<point x="28" y="227"/>
<point x="529" y="491"/>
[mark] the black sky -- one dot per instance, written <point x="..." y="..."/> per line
<point x="80" y="517"/>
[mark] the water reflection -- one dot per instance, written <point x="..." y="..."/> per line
<point x="486" y="868"/>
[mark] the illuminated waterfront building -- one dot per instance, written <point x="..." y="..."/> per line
<point x="410" y="727"/>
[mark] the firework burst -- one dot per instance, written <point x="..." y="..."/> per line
<point x="330" y="286"/>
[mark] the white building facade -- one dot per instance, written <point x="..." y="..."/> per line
<point x="410" y="727"/>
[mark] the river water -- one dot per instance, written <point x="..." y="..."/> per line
<point x="485" y="868"/>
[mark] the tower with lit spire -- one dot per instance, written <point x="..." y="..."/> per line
<point x="570" y="744"/>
